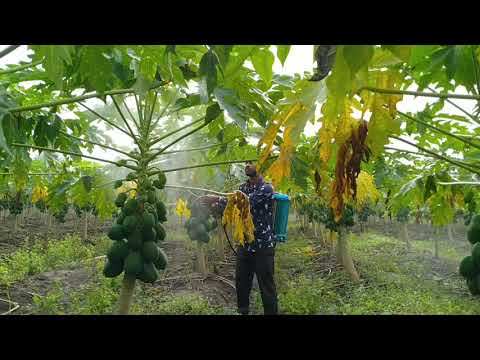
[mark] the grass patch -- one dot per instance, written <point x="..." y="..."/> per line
<point x="50" y="255"/>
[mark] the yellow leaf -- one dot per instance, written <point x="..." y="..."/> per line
<point x="39" y="193"/>
<point x="271" y="132"/>
<point x="345" y="126"/>
<point x="282" y="166"/>
<point x="459" y="200"/>
<point x="181" y="209"/>
<point x="237" y="215"/>
<point x="366" y="190"/>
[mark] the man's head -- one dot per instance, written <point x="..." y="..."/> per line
<point x="250" y="169"/>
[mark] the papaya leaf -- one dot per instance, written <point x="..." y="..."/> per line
<point x="213" y="111"/>
<point x="55" y="57"/>
<point x="95" y="69"/>
<point x="430" y="187"/>
<point x="223" y="54"/>
<point x="262" y="62"/>
<point x="402" y="52"/>
<point x="238" y="55"/>
<point x="208" y="70"/>
<point x="357" y="56"/>
<point x="229" y="102"/>
<point x="282" y="53"/>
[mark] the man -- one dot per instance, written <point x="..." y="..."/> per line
<point x="257" y="258"/>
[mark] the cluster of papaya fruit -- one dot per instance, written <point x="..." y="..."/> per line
<point x="470" y="265"/>
<point x="136" y="234"/>
<point x="200" y="224"/>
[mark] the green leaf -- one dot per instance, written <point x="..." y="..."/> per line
<point x="465" y="71"/>
<point x="142" y="85"/>
<point x="402" y="52"/>
<point x="213" y="111"/>
<point x="208" y="70"/>
<point x="55" y="58"/>
<point x="451" y="62"/>
<point x="223" y="53"/>
<point x="229" y="102"/>
<point x="3" y="141"/>
<point x="357" y="56"/>
<point x="184" y="103"/>
<point x="410" y="186"/>
<point x="175" y="73"/>
<point x="420" y="53"/>
<point x="95" y="69"/>
<point x="238" y="55"/>
<point x="53" y="129"/>
<point x="282" y="53"/>
<point x="262" y="62"/>
<point x="430" y="187"/>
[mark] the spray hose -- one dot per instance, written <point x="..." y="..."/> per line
<point x="228" y="239"/>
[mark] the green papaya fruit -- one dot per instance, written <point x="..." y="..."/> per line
<point x="112" y="269"/>
<point x="131" y="206"/>
<point x="476" y="255"/>
<point x="467" y="267"/>
<point x="120" y="218"/>
<point x="474" y="284"/>
<point x="133" y="263"/>
<point x="150" y="251"/>
<point x="129" y="224"/>
<point x="135" y="240"/>
<point x="476" y="220"/>
<point x="120" y="200"/>
<point x="152" y="197"/>
<point x="149" y="234"/>
<point x="162" y="260"/>
<point x="149" y="273"/>
<point x="204" y="237"/>
<point x="198" y="228"/>
<point x="148" y="220"/>
<point x="162" y="180"/>
<point x="116" y="232"/>
<point x="131" y="176"/>
<point x="473" y="233"/>
<point x="118" y="251"/>
<point x="161" y="234"/>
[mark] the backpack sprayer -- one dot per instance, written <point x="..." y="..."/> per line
<point x="281" y="208"/>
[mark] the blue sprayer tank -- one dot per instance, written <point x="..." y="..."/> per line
<point x="282" y="207"/>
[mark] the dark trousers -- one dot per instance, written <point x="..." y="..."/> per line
<point x="261" y="263"/>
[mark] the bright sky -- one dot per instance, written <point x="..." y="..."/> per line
<point x="299" y="60"/>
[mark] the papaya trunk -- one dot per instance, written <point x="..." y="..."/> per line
<point x="315" y="229"/>
<point x="450" y="232"/>
<point x="343" y="256"/>
<point x="220" y="244"/>
<point x="435" y="241"/>
<point x="331" y="235"/>
<point x="85" y="229"/>
<point x="322" y="235"/>
<point x="201" y="264"/>
<point x="126" y="295"/>
<point x="406" y="237"/>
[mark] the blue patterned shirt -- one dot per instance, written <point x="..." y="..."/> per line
<point x="261" y="207"/>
